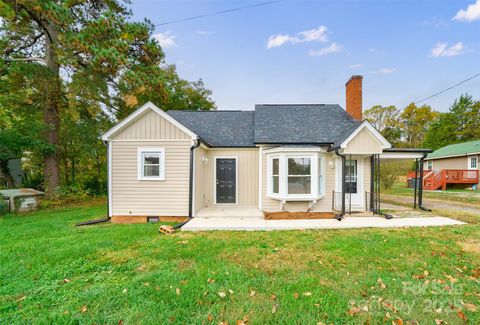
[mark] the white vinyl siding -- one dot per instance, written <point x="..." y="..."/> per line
<point x="131" y="196"/>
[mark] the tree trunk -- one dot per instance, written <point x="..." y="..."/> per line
<point x="51" y="115"/>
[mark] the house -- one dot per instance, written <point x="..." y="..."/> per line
<point x="301" y="157"/>
<point x="456" y="164"/>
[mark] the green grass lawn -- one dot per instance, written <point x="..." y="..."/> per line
<point x="458" y="195"/>
<point x="52" y="272"/>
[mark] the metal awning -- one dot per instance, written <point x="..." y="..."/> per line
<point x="404" y="153"/>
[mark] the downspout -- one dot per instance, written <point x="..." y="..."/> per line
<point x="342" y="213"/>
<point x="190" y="184"/>
<point x="93" y="222"/>
<point x="420" y="189"/>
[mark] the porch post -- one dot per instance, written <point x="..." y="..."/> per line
<point x="343" y="185"/>
<point x="420" y="189"/>
<point x="372" y="183"/>
<point x="415" y="185"/>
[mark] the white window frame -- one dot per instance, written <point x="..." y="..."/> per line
<point x="315" y="158"/>
<point x="140" y="164"/>
<point x="470" y="159"/>
<point x="270" y="175"/>
<point x="429" y="164"/>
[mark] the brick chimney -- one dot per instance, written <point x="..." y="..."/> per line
<point x="353" y="89"/>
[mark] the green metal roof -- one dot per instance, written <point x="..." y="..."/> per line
<point x="457" y="149"/>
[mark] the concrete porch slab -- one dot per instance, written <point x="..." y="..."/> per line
<point x="250" y="224"/>
<point x="229" y="212"/>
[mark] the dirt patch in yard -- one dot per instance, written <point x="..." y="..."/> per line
<point x="272" y="261"/>
<point x="471" y="246"/>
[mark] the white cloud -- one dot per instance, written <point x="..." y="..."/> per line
<point x="386" y="70"/>
<point x="166" y="40"/>
<point x="470" y="14"/>
<point x="318" y="34"/>
<point x="332" y="48"/>
<point x="442" y="49"/>
<point x="356" y="66"/>
<point x="203" y="32"/>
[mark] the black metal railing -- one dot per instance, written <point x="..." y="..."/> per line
<point x="337" y="202"/>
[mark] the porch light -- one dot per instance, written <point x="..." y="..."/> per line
<point x="205" y="160"/>
<point x="331" y="164"/>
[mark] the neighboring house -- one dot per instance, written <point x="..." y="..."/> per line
<point x="313" y="157"/>
<point x="453" y="164"/>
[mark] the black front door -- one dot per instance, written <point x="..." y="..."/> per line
<point x="226" y="180"/>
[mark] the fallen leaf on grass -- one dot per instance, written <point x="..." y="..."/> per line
<point x="240" y="322"/>
<point x="183" y="242"/>
<point x="273" y="297"/>
<point x="141" y="267"/>
<point x="439" y="321"/>
<point x="462" y="316"/>
<point x="177" y="291"/>
<point x="21" y="298"/>
<point x="125" y="290"/>
<point x="451" y="278"/>
<point x="66" y="280"/>
<point x="397" y="321"/>
<point x="274" y="309"/>
<point x="354" y="310"/>
<point x="147" y="284"/>
<point x="390" y="306"/>
<point x="308" y="293"/>
<point x="84" y="309"/>
<point x="252" y="293"/>
<point x="210" y="318"/>
<point x="470" y="307"/>
<point x="222" y="294"/>
<point x="295" y="295"/>
<point x="210" y="280"/>
<point x="230" y="291"/>
<point x="120" y="322"/>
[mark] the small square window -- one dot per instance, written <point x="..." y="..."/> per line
<point x="151" y="164"/>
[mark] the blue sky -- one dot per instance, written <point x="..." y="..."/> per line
<point x="305" y="51"/>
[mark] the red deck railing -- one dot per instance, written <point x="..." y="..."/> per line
<point x="434" y="180"/>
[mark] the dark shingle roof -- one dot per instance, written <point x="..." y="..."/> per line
<point x="274" y="124"/>
<point x="317" y="123"/>
<point x="219" y="128"/>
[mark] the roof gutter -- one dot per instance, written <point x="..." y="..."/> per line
<point x="197" y="144"/>
<point x="342" y="213"/>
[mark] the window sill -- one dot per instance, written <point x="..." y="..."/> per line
<point x="297" y="198"/>
<point x="151" y="179"/>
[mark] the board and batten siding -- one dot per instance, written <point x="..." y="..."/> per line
<point x="133" y="197"/>
<point x="152" y="126"/>
<point x="363" y="143"/>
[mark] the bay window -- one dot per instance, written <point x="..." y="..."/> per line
<point x="299" y="176"/>
<point x="295" y="175"/>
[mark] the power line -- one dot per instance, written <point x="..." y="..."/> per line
<point x="218" y="12"/>
<point x="446" y="89"/>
